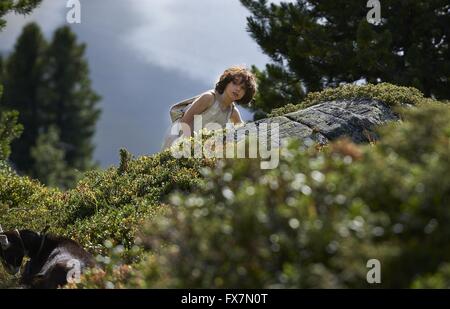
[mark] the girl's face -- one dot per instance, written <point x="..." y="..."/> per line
<point x="236" y="89"/>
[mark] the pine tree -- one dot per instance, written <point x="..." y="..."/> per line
<point x="23" y="87"/>
<point x="50" y="167"/>
<point x="316" y="44"/>
<point x="22" y="7"/>
<point x="9" y="130"/>
<point x="70" y="101"/>
<point x="49" y="85"/>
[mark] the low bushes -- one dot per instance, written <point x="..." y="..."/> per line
<point x="313" y="222"/>
<point x="390" y="94"/>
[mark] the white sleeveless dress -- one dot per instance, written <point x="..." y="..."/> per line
<point x="213" y="114"/>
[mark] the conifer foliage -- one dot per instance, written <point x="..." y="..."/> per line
<point x="316" y="44"/>
<point x="48" y="84"/>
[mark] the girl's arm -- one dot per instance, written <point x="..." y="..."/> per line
<point x="197" y="107"/>
<point x="236" y="117"/>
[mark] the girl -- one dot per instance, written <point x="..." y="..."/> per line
<point x="235" y="85"/>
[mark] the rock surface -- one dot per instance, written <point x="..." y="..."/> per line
<point x="326" y="121"/>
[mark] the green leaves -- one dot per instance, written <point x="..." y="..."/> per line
<point x="9" y="130"/>
<point x="317" y="44"/>
<point x="23" y="7"/>
<point x="393" y="95"/>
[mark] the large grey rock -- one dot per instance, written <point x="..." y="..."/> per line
<point x="327" y="121"/>
<point x="287" y="128"/>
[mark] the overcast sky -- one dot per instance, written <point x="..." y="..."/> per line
<point x="144" y="55"/>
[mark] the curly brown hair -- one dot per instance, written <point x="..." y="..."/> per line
<point x="241" y="74"/>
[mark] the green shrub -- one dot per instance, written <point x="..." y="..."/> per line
<point x="104" y="205"/>
<point x="314" y="221"/>
<point x="390" y="94"/>
<point x="135" y="192"/>
<point x="438" y="280"/>
<point x="9" y="130"/>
